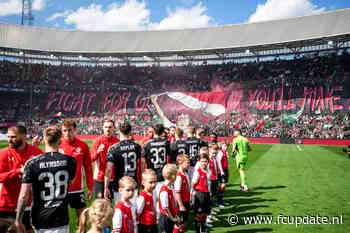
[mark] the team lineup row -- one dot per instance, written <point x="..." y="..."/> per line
<point x="176" y="174"/>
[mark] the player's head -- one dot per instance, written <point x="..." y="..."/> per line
<point x="204" y="150"/>
<point x="213" y="149"/>
<point x="52" y="136"/>
<point x="172" y="131"/>
<point x="200" y="133"/>
<point x="125" y="129"/>
<point x="169" y="172"/>
<point x="159" y="130"/>
<point x="150" y="131"/>
<point x="108" y="127"/>
<point x="179" y="133"/>
<point x="214" y="137"/>
<point x="224" y="145"/>
<point x="99" y="215"/>
<point x="127" y="186"/>
<point x="191" y="131"/>
<point x="237" y="132"/>
<point x="165" y="134"/>
<point x="203" y="160"/>
<point x="69" y="127"/>
<point x="16" y="136"/>
<point x="183" y="161"/>
<point x="149" y="180"/>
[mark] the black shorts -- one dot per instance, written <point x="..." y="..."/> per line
<point x="77" y="200"/>
<point x="148" y="228"/>
<point x="99" y="189"/>
<point x="184" y="214"/>
<point x="201" y="203"/>
<point x="12" y="216"/>
<point x="214" y="187"/>
<point x="165" y="224"/>
<point x="224" y="179"/>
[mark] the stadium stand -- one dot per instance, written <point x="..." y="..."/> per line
<point x="284" y="85"/>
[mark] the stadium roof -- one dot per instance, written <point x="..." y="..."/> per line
<point x="291" y="32"/>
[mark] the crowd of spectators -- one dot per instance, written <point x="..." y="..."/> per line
<point x="18" y="80"/>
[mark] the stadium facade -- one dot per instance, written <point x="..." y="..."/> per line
<point x="243" y="42"/>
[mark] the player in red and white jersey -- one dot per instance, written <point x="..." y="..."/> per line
<point x="12" y="161"/>
<point x="222" y="162"/>
<point x="79" y="150"/>
<point x="99" y="152"/>
<point x="169" y="221"/>
<point x="145" y="206"/>
<point x="182" y="188"/>
<point x="124" y="218"/>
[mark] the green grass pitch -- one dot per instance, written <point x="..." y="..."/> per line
<point x="288" y="180"/>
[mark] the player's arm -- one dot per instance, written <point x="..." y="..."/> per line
<point x="139" y="164"/>
<point x="249" y="147"/>
<point x="88" y="172"/>
<point x="234" y="148"/>
<point x="5" y="173"/>
<point x="72" y="170"/>
<point x="177" y="187"/>
<point x="21" y="206"/>
<point x="26" y="188"/>
<point x="108" y="175"/>
<point x="94" y="151"/>
<point x="140" y="205"/>
<point x="168" y="152"/>
<point x="117" y="221"/>
<point x="144" y="153"/>
<point x="165" y="204"/>
<point x="195" y="178"/>
<point x="218" y="162"/>
<point x="160" y="112"/>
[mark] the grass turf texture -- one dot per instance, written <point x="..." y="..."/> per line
<point x="285" y="179"/>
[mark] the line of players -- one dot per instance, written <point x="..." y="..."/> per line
<point x="113" y="161"/>
<point x="156" y="204"/>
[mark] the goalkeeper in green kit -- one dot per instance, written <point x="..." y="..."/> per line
<point x="240" y="150"/>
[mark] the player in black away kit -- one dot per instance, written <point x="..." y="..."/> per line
<point x="157" y="152"/>
<point x="47" y="176"/>
<point x="125" y="156"/>
<point x="179" y="147"/>
<point x="194" y="144"/>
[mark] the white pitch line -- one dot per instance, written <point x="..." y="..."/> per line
<point x="299" y="148"/>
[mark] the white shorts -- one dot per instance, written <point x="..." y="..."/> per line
<point x="64" y="229"/>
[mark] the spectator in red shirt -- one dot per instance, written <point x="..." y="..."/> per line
<point x="79" y="150"/>
<point x="12" y="160"/>
<point x="99" y="154"/>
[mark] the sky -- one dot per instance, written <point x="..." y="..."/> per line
<point x="131" y="15"/>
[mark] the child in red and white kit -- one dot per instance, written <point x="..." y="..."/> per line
<point x="124" y="218"/>
<point x="222" y="162"/>
<point x="145" y="206"/>
<point x="201" y="202"/>
<point x="168" y="221"/>
<point x="213" y="168"/>
<point x="182" y="188"/>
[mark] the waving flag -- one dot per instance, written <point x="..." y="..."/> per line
<point x="212" y="103"/>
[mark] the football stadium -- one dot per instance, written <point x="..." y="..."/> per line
<point x="283" y="85"/>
